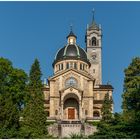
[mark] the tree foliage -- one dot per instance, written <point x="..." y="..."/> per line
<point x="131" y="96"/>
<point x="34" y="116"/>
<point x="107" y="108"/>
<point x="12" y="87"/>
<point x="116" y="128"/>
<point x="22" y="97"/>
<point x="127" y="124"/>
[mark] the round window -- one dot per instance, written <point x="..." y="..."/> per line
<point x="71" y="82"/>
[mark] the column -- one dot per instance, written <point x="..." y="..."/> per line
<point x="62" y="110"/>
<point x="80" y="110"/>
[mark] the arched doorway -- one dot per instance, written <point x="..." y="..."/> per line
<point x="71" y="108"/>
<point x="96" y="114"/>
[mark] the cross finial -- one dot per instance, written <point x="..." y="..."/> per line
<point x="108" y="82"/>
<point x="71" y="27"/>
<point x="93" y="12"/>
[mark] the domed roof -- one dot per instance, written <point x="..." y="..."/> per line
<point x="71" y="52"/>
<point x="71" y="34"/>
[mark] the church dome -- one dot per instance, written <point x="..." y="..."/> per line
<point x="71" y="52"/>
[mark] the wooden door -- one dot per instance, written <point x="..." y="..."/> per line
<point x="71" y="113"/>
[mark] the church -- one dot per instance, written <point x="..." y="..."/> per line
<point x="75" y="91"/>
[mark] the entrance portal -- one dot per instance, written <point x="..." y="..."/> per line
<point x="71" y="109"/>
<point x="71" y="113"/>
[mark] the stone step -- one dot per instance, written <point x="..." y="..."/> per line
<point x="66" y="130"/>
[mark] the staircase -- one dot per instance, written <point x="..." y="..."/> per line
<point x="64" y="129"/>
<point x="69" y="128"/>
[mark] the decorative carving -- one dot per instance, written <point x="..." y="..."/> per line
<point x="71" y="89"/>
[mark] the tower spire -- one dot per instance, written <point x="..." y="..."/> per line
<point x="93" y="16"/>
<point x="93" y="24"/>
<point x="71" y="27"/>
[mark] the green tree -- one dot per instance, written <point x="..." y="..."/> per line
<point x="116" y="128"/>
<point x="13" y="83"/>
<point x="131" y="96"/>
<point x="127" y="124"/>
<point x="34" y="116"/>
<point x="106" y="108"/>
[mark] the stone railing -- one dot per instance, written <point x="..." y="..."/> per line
<point x="97" y="118"/>
<point x="70" y="122"/>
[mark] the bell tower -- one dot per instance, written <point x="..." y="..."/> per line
<point x="94" y="50"/>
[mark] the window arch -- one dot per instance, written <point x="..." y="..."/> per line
<point x="67" y="65"/>
<point x="94" y="41"/>
<point x="71" y="82"/>
<point x="56" y="112"/>
<point x="80" y="66"/>
<point x="75" y="65"/>
<point x="96" y="114"/>
<point x="86" y="112"/>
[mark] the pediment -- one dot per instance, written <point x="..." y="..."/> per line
<point x="74" y="72"/>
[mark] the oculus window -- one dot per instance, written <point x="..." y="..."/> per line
<point x="71" y="82"/>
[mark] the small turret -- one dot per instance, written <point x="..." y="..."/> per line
<point x="71" y="37"/>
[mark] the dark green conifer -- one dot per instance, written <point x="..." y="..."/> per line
<point x="34" y="116"/>
<point x="131" y="97"/>
<point x="107" y="108"/>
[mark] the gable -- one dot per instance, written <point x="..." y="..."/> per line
<point x="73" y="72"/>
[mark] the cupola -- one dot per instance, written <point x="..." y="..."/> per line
<point x="71" y="51"/>
<point x="71" y="38"/>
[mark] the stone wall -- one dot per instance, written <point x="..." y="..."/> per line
<point x="67" y="130"/>
<point x="53" y="130"/>
<point x="89" y="129"/>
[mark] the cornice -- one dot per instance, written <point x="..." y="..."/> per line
<point x="71" y="69"/>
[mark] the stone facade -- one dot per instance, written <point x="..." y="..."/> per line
<point x="75" y="92"/>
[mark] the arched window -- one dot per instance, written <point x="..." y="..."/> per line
<point x="80" y="66"/>
<point x="62" y="66"/>
<point x="71" y="82"/>
<point x="96" y="114"/>
<point x="86" y="112"/>
<point x="67" y="65"/>
<point x="75" y="65"/>
<point x="94" y="41"/>
<point x="56" y="112"/>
